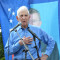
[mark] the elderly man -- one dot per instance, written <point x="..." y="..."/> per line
<point x="16" y="45"/>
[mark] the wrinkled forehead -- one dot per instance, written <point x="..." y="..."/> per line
<point x="23" y="10"/>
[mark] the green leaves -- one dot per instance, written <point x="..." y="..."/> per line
<point x="1" y="48"/>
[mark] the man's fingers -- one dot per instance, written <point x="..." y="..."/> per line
<point x="31" y="38"/>
<point x="28" y="37"/>
<point x="28" y="40"/>
<point x="29" y="43"/>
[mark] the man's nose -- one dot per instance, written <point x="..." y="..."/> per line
<point x="23" y="17"/>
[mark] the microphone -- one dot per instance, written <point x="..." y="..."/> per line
<point x="15" y="27"/>
<point x="33" y="34"/>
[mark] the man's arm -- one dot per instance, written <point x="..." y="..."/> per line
<point x="11" y="45"/>
<point x="13" y="48"/>
<point x="49" y="42"/>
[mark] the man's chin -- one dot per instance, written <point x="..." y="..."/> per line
<point x="24" y="24"/>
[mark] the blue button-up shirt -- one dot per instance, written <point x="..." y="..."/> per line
<point x="17" y="49"/>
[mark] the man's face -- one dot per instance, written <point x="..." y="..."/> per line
<point x="34" y="19"/>
<point x="23" y="17"/>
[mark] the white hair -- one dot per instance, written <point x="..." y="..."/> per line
<point x="22" y="8"/>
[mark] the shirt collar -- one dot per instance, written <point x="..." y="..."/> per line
<point x="18" y="28"/>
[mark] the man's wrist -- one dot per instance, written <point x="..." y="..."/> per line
<point x="20" y="42"/>
<point x="44" y="57"/>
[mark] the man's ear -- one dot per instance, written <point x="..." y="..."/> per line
<point x="29" y="17"/>
<point x="17" y="18"/>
